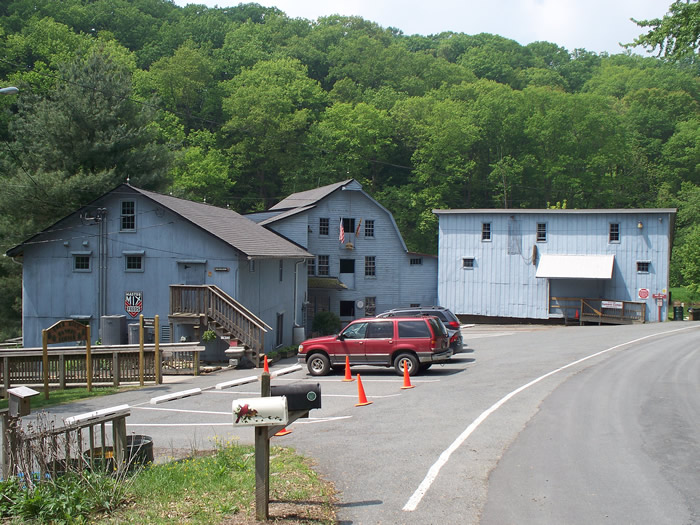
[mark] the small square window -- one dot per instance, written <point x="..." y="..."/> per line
<point x="370" y="266"/>
<point x="134" y="263"/>
<point x="468" y="263"/>
<point x="81" y="263"/>
<point x="416" y="261"/>
<point x="486" y="231"/>
<point x="643" y="266"/>
<point x="614" y="233"/>
<point x="323" y="225"/>
<point x="541" y="232"/>
<point x="323" y="265"/>
<point x="369" y="228"/>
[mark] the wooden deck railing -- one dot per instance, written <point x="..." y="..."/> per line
<point x="110" y="364"/>
<point x="232" y="317"/>
<point x="46" y="451"/>
<point x="601" y="311"/>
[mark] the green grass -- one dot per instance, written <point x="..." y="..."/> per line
<point x="68" y="395"/>
<point x="685" y="297"/>
<point x="214" y="488"/>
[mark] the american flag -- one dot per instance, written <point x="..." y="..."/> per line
<point x="342" y="231"/>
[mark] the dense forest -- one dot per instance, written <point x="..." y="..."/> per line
<point x="241" y="106"/>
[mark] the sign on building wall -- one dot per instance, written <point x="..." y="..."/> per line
<point x="133" y="303"/>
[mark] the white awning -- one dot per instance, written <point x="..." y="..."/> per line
<point x="575" y="266"/>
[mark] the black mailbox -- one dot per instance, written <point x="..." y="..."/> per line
<point x="299" y="396"/>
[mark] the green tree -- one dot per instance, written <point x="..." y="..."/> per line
<point x="269" y="110"/>
<point x="84" y="137"/>
<point x="676" y="35"/>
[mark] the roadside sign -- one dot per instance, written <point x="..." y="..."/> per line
<point x="643" y="293"/>
<point x="617" y="305"/>
<point x="659" y="296"/>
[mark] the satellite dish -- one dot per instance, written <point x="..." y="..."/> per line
<point x="360" y="304"/>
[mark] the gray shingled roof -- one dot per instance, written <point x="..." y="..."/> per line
<point x="235" y="229"/>
<point x="308" y="198"/>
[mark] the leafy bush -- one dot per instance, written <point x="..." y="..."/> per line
<point x="326" y="323"/>
<point x="65" y="499"/>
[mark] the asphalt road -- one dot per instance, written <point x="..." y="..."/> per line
<point x="493" y="437"/>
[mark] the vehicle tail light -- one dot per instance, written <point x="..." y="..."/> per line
<point x="454" y="325"/>
<point x="454" y="338"/>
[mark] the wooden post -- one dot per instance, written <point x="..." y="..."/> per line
<point x="119" y="438"/>
<point x="158" y="364"/>
<point x="262" y="460"/>
<point x="62" y="371"/>
<point x="45" y="361"/>
<point x="196" y="363"/>
<point x="5" y="452"/>
<point x="115" y="369"/>
<point x="141" y="356"/>
<point x="6" y="377"/>
<point x="88" y="360"/>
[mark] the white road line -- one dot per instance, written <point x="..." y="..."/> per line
<point x="433" y="472"/>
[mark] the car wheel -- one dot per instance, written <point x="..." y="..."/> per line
<point x="318" y="365"/>
<point x="406" y="360"/>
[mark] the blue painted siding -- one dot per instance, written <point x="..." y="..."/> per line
<point x="396" y="283"/>
<point x="503" y="284"/>
<point x="52" y="290"/>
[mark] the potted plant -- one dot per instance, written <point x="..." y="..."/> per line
<point x="208" y="335"/>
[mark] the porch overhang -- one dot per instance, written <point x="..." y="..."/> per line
<point x="575" y="266"/>
<point x="325" y="283"/>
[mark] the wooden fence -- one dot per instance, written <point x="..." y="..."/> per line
<point x="42" y="450"/>
<point x="112" y="365"/>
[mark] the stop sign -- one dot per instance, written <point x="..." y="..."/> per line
<point x="643" y="293"/>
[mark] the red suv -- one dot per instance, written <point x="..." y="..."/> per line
<point x="398" y="342"/>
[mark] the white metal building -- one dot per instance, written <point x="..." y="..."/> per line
<point x="540" y="264"/>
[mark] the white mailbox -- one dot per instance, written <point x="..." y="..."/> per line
<point x="260" y="411"/>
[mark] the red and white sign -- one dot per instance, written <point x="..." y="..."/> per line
<point x="133" y="303"/>
<point x="643" y="293"/>
<point x="659" y="296"/>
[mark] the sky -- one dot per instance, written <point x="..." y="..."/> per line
<point x="595" y="25"/>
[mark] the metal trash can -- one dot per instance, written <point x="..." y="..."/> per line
<point x="677" y="313"/>
<point x="694" y="313"/>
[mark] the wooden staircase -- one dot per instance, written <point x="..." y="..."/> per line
<point x="220" y="312"/>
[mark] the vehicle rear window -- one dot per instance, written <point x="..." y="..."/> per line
<point x="438" y="327"/>
<point x="380" y="330"/>
<point x="412" y="329"/>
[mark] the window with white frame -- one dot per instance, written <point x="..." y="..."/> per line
<point x="614" y="232"/>
<point x="369" y="228"/>
<point x="541" y="232"/>
<point x="81" y="261"/>
<point x="133" y="261"/>
<point x="486" y="231"/>
<point x="128" y="216"/>
<point x="323" y="265"/>
<point x="311" y="266"/>
<point x="468" y="263"/>
<point x="323" y="225"/>
<point x="643" y="266"/>
<point x="370" y="266"/>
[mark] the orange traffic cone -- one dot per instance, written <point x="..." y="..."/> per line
<point x="406" y="377"/>
<point x="266" y="367"/>
<point x="348" y="374"/>
<point x="283" y="432"/>
<point x="361" y="393"/>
